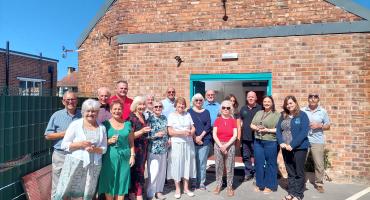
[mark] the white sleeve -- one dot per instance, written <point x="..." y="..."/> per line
<point x="69" y="137"/>
<point x="103" y="141"/>
<point x="170" y="120"/>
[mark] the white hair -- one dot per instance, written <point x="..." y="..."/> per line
<point x="227" y="103"/>
<point x="137" y="100"/>
<point x="90" y="104"/>
<point x="196" y="96"/>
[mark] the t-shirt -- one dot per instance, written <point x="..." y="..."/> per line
<point x="180" y="122"/>
<point x="225" y="128"/>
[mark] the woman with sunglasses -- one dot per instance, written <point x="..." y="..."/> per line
<point x="181" y="158"/>
<point x="224" y="135"/>
<point x="265" y="146"/>
<point x="291" y="132"/>
<point x="203" y="138"/>
<point x="157" y="152"/>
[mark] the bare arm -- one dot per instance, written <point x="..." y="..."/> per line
<point x="233" y="138"/>
<point x="172" y="132"/>
<point x="55" y="136"/>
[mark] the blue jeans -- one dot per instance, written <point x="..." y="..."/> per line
<point x="265" y="154"/>
<point x="201" y="156"/>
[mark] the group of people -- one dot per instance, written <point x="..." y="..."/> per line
<point x="105" y="148"/>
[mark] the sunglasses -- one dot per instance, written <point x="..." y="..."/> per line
<point x="225" y="108"/>
<point x="316" y="96"/>
<point x="198" y="100"/>
<point x="171" y="92"/>
<point x="158" y="106"/>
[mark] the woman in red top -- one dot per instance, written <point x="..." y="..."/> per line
<point x="224" y="135"/>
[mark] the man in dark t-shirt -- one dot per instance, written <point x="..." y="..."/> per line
<point x="247" y="113"/>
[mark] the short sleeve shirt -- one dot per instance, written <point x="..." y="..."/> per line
<point x="225" y="128"/>
<point x="59" y="122"/>
<point x="319" y="116"/>
<point x="268" y="120"/>
<point x="246" y="115"/>
<point x="180" y="122"/>
<point x="126" y="106"/>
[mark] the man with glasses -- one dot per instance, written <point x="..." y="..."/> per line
<point x="55" y="131"/>
<point x="319" y="121"/>
<point x="121" y="95"/>
<point x="169" y="102"/>
<point x="103" y="97"/>
<point x="247" y="113"/>
<point x="211" y="105"/>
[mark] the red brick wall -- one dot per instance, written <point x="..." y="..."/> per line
<point x="336" y="66"/>
<point x="26" y="67"/>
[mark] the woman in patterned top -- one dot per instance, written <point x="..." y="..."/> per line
<point x="141" y="130"/>
<point x="291" y="132"/>
<point x="157" y="158"/>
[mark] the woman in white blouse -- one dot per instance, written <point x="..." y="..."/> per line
<point x="181" y="159"/>
<point x="86" y="141"/>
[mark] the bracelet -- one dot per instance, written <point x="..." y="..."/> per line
<point x="132" y="154"/>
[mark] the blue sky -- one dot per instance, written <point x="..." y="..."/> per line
<point x="35" y="26"/>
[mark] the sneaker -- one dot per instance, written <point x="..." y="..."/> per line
<point x="320" y="188"/>
<point x="177" y="196"/>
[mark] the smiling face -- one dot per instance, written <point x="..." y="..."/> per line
<point x="103" y="97"/>
<point x="180" y="107"/>
<point x="251" y="98"/>
<point x="267" y="104"/>
<point x="313" y="100"/>
<point x="140" y="107"/>
<point x="70" y="101"/>
<point x="210" y="95"/>
<point x="90" y="115"/>
<point x="157" y="108"/>
<point x="226" y="109"/>
<point x="122" y="89"/>
<point x="291" y="105"/>
<point x="116" y="110"/>
<point x="171" y="93"/>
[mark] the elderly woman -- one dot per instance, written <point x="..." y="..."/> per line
<point x="86" y="141"/>
<point x="115" y="173"/>
<point x="203" y="138"/>
<point x="224" y="135"/>
<point x="291" y="132"/>
<point x="157" y="158"/>
<point x="181" y="159"/>
<point x="140" y="129"/>
<point x="265" y="146"/>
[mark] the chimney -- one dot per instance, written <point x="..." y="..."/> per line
<point x="70" y="70"/>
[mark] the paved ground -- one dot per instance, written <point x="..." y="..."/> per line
<point x="245" y="191"/>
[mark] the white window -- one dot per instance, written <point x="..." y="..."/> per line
<point x="30" y="86"/>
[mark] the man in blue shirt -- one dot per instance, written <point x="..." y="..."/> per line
<point x="55" y="131"/>
<point x="211" y="105"/>
<point x="169" y="102"/>
<point x="319" y="121"/>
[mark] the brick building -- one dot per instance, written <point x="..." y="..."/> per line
<point x="28" y="74"/>
<point x="274" y="47"/>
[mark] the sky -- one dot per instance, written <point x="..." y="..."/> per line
<point x="44" y="26"/>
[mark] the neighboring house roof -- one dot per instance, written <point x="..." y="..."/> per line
<point x="69" y="81"/>
<point x="347" y="5"/>
<point x="18" y="53"/>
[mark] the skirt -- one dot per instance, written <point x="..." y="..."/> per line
<point x="76" y="180"/>
<point x="181" y="161"/>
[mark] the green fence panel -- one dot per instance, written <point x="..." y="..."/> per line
<point x="23" y="120"/>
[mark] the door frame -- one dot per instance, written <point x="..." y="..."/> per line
<point x="265" y="76"/>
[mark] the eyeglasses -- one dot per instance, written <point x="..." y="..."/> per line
<point x="316" y="96"/>
<point x="171" y="92"/>
<point x="69" y="100"/>
<point x="210" y="95"/>
<point x="158" y="106"/>
<point x="198" y="100"/>
<point x="225" y="108"/>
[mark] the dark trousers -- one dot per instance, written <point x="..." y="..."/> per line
<point x="247" y="154"/>
<point x="294" y="163"/>
<point x="265" y="154"/>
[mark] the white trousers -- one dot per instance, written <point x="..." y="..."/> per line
<point x="156" y="173"/>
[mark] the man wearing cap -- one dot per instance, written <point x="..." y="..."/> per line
<point x="319" y="121"/>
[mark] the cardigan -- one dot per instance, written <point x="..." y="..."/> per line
<point x="75" y="133"/>
<point x="299" y="127"/>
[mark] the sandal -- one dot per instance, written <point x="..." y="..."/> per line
<point x="257" y="189"/>
<point x="288" y="197"/>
